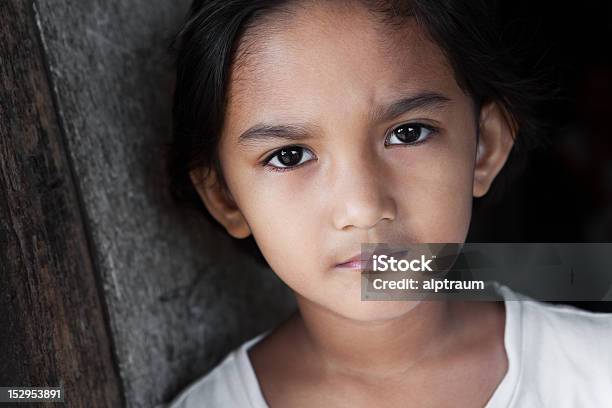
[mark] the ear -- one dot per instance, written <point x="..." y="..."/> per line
<point x="220" y="202"/>
<point x="496" y="138"/>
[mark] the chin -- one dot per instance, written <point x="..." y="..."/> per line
<point x="374" y="311"/>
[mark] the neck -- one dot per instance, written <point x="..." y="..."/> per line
<point x="377" y="348"/>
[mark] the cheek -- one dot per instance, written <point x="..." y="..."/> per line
<point x="284" y="223"/>
<point x="435" y="194"/>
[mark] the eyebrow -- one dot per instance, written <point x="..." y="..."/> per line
<point x="263" y="132"/>
<point x="424" y="100"/>
<point x="297" y="132"/>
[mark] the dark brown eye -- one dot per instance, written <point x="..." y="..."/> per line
<point x="290" y="156"/>
<point x="411" y="133"/>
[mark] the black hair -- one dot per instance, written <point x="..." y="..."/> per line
<point x="467" y="31"/>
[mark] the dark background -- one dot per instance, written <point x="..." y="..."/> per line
<point x="564" y="191"/>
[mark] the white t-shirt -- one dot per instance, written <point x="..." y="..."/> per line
<point x="558" y="356"/>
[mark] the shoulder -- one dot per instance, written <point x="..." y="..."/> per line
<point x="216" y="389"/>
<point x="232" y="383"/>
<point x="580" y="333"/>
<point x="566" y="353"/>
<point x="559" y="327"/>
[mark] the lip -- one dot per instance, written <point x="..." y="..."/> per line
<point x="354" y="262"/>
<point x="352" y="265"/>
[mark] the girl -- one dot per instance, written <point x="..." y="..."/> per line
<point x="316" y="126"/>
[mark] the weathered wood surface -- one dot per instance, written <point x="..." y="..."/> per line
<point x="52" y="329"/>
<point x="179" y="295"/>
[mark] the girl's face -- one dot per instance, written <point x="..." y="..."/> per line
<point x="341" y="130"/>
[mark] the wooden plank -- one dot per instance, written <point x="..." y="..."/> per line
<point x="52" y="329"/>
<point x="179" y="293"/>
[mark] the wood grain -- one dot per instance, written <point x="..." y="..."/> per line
<point x="180" y="294"/>
<point x="52" y="329"/>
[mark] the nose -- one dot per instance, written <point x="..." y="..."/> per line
<point x="362" y="198"/>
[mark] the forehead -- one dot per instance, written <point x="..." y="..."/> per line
<point x="324" y="61"/>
